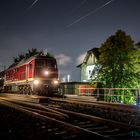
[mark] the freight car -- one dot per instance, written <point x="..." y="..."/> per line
<point x="35" y="75"/>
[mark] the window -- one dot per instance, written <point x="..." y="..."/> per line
<point x="89" y="71"/>
<point x="40" y="63"/>
<point x="51" y="64"/>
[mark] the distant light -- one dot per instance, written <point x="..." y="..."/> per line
<point x="122" y="102"/>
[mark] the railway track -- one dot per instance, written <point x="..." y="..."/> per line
<point x="125" y="113"/>
<point x="92" y="100"/>
<point x="111" y="129"/>
<point x="77" y="124"/>
<point x="59" y="128"/>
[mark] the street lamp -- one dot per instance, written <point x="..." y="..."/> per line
<point x="68" y="78"/>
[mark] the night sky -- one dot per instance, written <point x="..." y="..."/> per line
<point x="65" y="28"/>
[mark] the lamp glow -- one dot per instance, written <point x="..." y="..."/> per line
<point x="46" y="72"/>
<point x="36" y="82"/>
<point x="55" y="82"/>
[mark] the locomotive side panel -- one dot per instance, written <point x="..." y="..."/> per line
<point x="31" y="68"/>
<point x="22" y="72"/>
<point x="15" y="74"/>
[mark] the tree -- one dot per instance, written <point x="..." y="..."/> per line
<point x="19" y="58"/>
<point x="118" y="58"/>
<point x="29" y="54"/>
<point x="118" y="62"/>
<point x="138" y="64"/>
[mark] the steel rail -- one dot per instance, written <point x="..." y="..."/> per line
<point x="109" y="111"/>
<point x="112" y="129"/>
<point x="130" y="108"/>
<point x="67" y="126"/>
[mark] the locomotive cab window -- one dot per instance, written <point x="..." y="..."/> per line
<point x="51" y="64"/>
<point x="40" y="63"/>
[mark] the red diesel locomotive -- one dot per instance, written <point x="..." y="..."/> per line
<point x="35" y="75"/>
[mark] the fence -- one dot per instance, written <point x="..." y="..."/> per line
<point x="85" y="90"/>
<point x="120" y="95"/>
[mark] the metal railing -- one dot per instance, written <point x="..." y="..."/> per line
<point x="118" y="95"/>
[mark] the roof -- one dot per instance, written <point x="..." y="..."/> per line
<point x="95" y="51"/>
<point x="26" y="60"/>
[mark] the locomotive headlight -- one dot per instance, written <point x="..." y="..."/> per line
<point x="55" y="82"/>
<point x="46" y="72"/>
<point x="36" y="82"/>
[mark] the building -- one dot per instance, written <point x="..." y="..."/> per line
<point x="76" y="88"/>
<point x="86" y="67"/>
<point x="89" y="64"/>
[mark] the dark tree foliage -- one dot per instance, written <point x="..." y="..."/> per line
<point x="29" y="54"/>
<point x="32" y="52"/>
<point x="118" y="61"/>
<point x="19" y="58"/>
<point x="138" y="45"/>
<point x="138" y="64"/>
